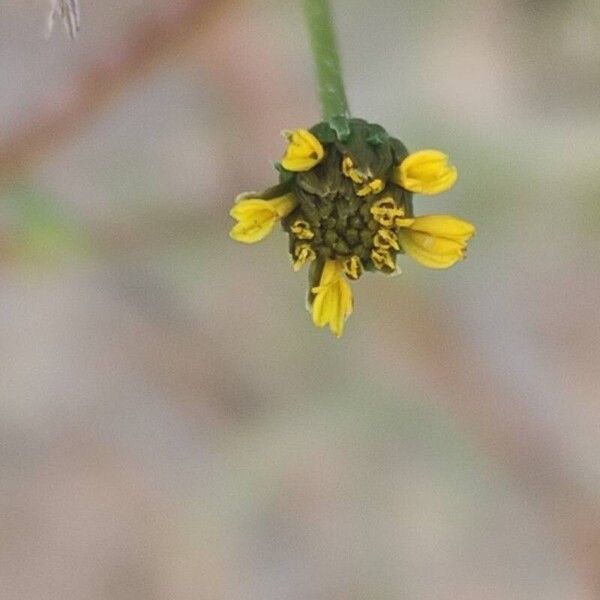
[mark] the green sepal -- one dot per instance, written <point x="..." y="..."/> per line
<point x="308" y="202"/>
<point x="275" y="191"/>
<point x="323" y="132"/>
<point x="369" y="147"/>
<point x="325" y="179"/>
<point x="408" y="205"/>
<point x="341" y="126"/>
<point x="377" y="136"/>
<point x="314" y="279"/>
<point x="368" y="265"/>
<point x="398" y="150"/>
<point x="285" y="177"/>
<point x="403" y="198"/>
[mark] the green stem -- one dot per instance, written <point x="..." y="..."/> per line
<point x="327" y="61"/>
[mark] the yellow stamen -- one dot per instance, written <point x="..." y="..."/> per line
<point x="332" y="303"/>
<point x="386" y="239"/>
<point x="435" y="241"/>
<point x="256" y="217"/>
<point x="349" y="171"/>
<point x="303" y="253"/>
<point x="377" y="186"/>
<point x="347" y="166"/>
<point x="353" y="267"/>
<point x="301" y="229"/>
<point x="372" y="187"/>
<point x="426" y="172"/>
<point x="382" y="258"/>
<point x="304" y="151"/>
<point x="385" y="210"/>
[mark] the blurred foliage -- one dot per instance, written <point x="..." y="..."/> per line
<point x="40" y="233"/>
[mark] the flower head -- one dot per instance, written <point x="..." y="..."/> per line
<point x="345" y="200"/>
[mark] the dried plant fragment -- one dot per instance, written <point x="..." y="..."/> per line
<point x="68" y="11"/>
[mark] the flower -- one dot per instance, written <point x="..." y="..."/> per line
<point x="332" y="303"/>
<point x="435" y="241"/>
<point x="304" y="151"/>
<point x="426" y="172"/>
<point x="256" y="217"/>
<point x="344" y="198"/>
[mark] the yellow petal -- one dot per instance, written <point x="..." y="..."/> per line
<point x="332" y="304"/>
<point x="250" y="232"/>
<point x="444" y="226"/>
<point x="256" y="217"/>
<point x="423" y="256"/>
<point x="437" y="245"/>
<point x="426" y="172"/>
<point x="246" y="208"/>
<point x="436" y="241"/>
<point x="304" y="151"/>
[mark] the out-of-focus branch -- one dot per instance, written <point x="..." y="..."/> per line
<point x="149" y="44"/>
<point x="531" y="453"/>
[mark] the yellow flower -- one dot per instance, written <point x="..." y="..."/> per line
<point x="435" y="241"/>
<point x="425" y="172"/>
<point x="256" y="217"/>
<point x="344" y="198"/>
<point x="332" y="304"/>
<point x="304" y="151"/>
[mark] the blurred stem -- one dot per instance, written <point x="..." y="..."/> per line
<point x="327" y="61"/>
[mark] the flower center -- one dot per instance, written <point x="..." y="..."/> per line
<point x="344" y="214"/>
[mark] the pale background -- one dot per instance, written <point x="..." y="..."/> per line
<point x="171" y="424"/>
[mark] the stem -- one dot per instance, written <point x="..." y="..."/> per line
<point x="327" y="61"/>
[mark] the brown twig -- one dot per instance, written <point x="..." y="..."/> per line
<point x="506" y="430"/>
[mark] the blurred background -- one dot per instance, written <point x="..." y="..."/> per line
<point x="171" y="423"/>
